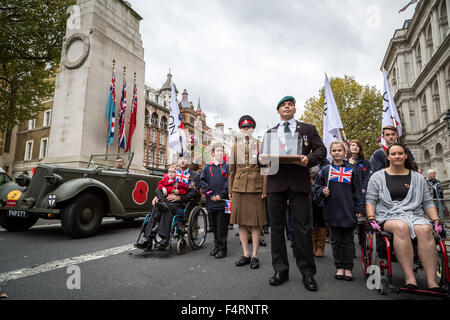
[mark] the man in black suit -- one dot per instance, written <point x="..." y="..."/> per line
<point x="292" y="182"/>
<point x="166" y="216"/>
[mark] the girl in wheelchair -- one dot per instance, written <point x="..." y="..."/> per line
<point x="398" y="199"/>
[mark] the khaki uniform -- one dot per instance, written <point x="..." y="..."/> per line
<point x="246" y="184"/>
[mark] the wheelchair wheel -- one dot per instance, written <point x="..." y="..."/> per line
<point x="181" y="246"/>
<point x="369" y="252"/>
<point x="441" y="271"/>
<point x="196" y="228"/>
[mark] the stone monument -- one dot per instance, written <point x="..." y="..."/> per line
<point x="98" y="33"/>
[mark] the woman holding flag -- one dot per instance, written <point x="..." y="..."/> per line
<point x="339" y="185"/>
<point x="247" y="189"/>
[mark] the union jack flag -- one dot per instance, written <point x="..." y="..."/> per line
<point x="341" y="174"/>
<point x="123" y="107"/>
<point x="228" y="206"/>
<point x="183" y="176"/>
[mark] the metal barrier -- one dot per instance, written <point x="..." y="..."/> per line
<point x="441" y="197"/>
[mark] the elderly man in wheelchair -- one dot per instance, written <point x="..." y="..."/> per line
<point x="399" y="209"/>
<point x="176" y="218"/>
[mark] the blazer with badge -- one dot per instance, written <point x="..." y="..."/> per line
<point x="292" y="176"/>
<point x="245" y="174"/>
<point x="194" y="188"/>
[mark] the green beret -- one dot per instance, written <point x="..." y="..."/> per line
<point x="287" y="98"/>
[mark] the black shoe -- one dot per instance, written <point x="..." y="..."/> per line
<point x="347" y="278"/>
<point x="279" y="278"/>
<point x="254" y="264"/>
<point x="339" y="276"/>
<point x="310" y="283"/>
<point x="220" y="254"/>
<point x="162" y="244"/>
<point x="242" y="261"/>
<point x="214" y="252"/>
<point x="436" y="289"/>
<point x="411" y="286"/>
<point x="143" y="244"/>
<point x="262" y="243"/>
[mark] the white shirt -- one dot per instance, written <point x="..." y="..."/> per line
<point x="292" y="127"/>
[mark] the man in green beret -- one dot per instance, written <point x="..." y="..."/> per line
<point x="290" y="186"/>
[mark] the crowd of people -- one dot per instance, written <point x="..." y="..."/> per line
<point x="308" y="198"/>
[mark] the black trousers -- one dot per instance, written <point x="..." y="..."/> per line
<point x="219" y="224"/>
<point x="343" y="247"/>
<point x="299" y="207"/>
<point x="165" y="218"/>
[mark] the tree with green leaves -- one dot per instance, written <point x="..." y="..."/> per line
<point x="31" y="40"/>
<point x="359" y="107"/>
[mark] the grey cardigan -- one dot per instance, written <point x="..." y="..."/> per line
<point x="411" y="209"/>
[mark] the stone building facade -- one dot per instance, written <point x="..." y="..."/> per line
<point x="32" y="140"/>
<point x="417" y="61"/>
<point x="157" y="153"/>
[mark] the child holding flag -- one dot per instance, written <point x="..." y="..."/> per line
<point x="339" y="185"/>
<point x="214" y="185"/>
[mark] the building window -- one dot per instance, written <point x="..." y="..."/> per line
<point x="31" y="124"/>
<point x="7" y="147"/>
<point x="44" y="148"/>
<point x="28" y="150"/>
<point x="162" y="139"/>
<point x="47" y="118"/>
<point x="163" y="123"/>
<point x="152" y="135"/>
<point x="154" y="119"/>
<point x="162" y="160"/>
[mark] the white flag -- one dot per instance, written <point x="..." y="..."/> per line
<point x="331" y="119"/>
<point x="389" y="110"/>
<point x="177" y="136"/>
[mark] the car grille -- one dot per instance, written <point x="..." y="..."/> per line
<point x="37" y="187"/>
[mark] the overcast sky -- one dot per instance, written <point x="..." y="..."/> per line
<point x="242" y="56"/>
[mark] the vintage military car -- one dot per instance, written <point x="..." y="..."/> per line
<point x="79" y="197"/>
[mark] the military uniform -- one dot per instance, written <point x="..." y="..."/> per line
<point x="246" y="184"/>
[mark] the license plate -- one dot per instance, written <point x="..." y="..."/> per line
<point x="17" y="213"/>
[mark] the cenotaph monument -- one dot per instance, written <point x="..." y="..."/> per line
<point x="98" y="33"/>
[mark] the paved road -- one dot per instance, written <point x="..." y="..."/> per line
<point x="111" y="269"/>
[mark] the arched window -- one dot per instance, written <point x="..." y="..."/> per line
<point x="163" y="123"/>
<point x="426" y="155"/>
<point x="439" y="150"/>
<point x="154" y="119"/>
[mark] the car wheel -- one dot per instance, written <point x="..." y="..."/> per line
<point x="82" y="217"/>
<point x="17" y="224"/>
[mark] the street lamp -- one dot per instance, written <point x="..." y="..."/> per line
<point x="447" y="120"/>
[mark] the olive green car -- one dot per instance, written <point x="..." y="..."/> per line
<point x="79" y="197"/>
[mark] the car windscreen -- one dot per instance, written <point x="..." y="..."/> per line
<point x="4" y="178"/>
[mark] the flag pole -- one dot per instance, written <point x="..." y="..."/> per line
<point x="129" y="122"/>
<point x="118" y="140"/>
<point x="109" y="124"/>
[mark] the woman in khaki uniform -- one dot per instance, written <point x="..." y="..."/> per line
<point x="247" y="189"/>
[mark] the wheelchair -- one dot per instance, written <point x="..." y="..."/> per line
<point x="190" y="222"/>
<point x="377" y="249"/>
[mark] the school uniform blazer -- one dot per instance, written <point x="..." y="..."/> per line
<point x="245" y="172"/>
<point x="294" y="177"/>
